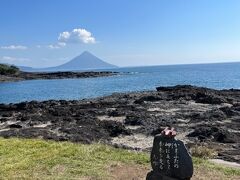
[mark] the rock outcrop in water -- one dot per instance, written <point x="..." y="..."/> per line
<point x="200" y="115"/>
<point x="53" y="75"/>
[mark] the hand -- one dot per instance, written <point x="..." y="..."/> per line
<point x="169" y="132"/>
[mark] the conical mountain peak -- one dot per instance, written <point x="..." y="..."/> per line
<point x="86" y="60"/>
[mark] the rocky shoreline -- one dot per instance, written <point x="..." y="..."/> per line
<point x="53" y="75"/>
<point x="130" y="120"/>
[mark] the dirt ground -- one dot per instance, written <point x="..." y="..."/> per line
<point x="137" y="172"/>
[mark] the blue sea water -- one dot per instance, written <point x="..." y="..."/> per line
<point x="218" y="76"/>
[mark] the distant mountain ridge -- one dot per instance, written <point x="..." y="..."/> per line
<point x="85" y="61"/>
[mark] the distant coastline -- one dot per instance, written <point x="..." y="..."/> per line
<point x="53" y="75"/>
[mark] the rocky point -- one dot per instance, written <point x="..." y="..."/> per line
<point x="130" y="120"/>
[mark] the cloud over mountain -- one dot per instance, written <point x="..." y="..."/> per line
<point x="76" y="36"/>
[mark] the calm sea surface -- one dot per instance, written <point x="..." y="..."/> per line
<point x="218" y="76"/>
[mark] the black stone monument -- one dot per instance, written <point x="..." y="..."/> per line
<point x="170" y="160"/>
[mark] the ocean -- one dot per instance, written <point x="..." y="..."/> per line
<point x="217" y="76"/>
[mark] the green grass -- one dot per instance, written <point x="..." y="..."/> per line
<point x="198" y="162"/>
<point x="31" y="158"/>
<point x="40" y="159"/>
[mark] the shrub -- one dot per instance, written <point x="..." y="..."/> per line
<point x="8" y="69"/>
<point x="203" y="152"/>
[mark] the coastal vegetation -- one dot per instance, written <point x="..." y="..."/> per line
<point x="203" y="152"/>
<point x="8" y="69"/>
<point x="41" y="159"/>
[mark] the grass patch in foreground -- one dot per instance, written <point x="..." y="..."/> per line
<point x="33" y="158"/>
<point x="227" y="171"/>
<point x="40" y="159"/>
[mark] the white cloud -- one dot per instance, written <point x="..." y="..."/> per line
<point x="14" y="47"/>
<point x="77" y="35"/>
<point x="9" y="59"/>
<point x="56" y="46"/>
<point x="64" y="36"/>
<point x="62" y="44"/>
<point x="51" y="46"/>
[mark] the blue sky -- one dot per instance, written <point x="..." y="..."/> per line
<point x="123" y="32"/>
